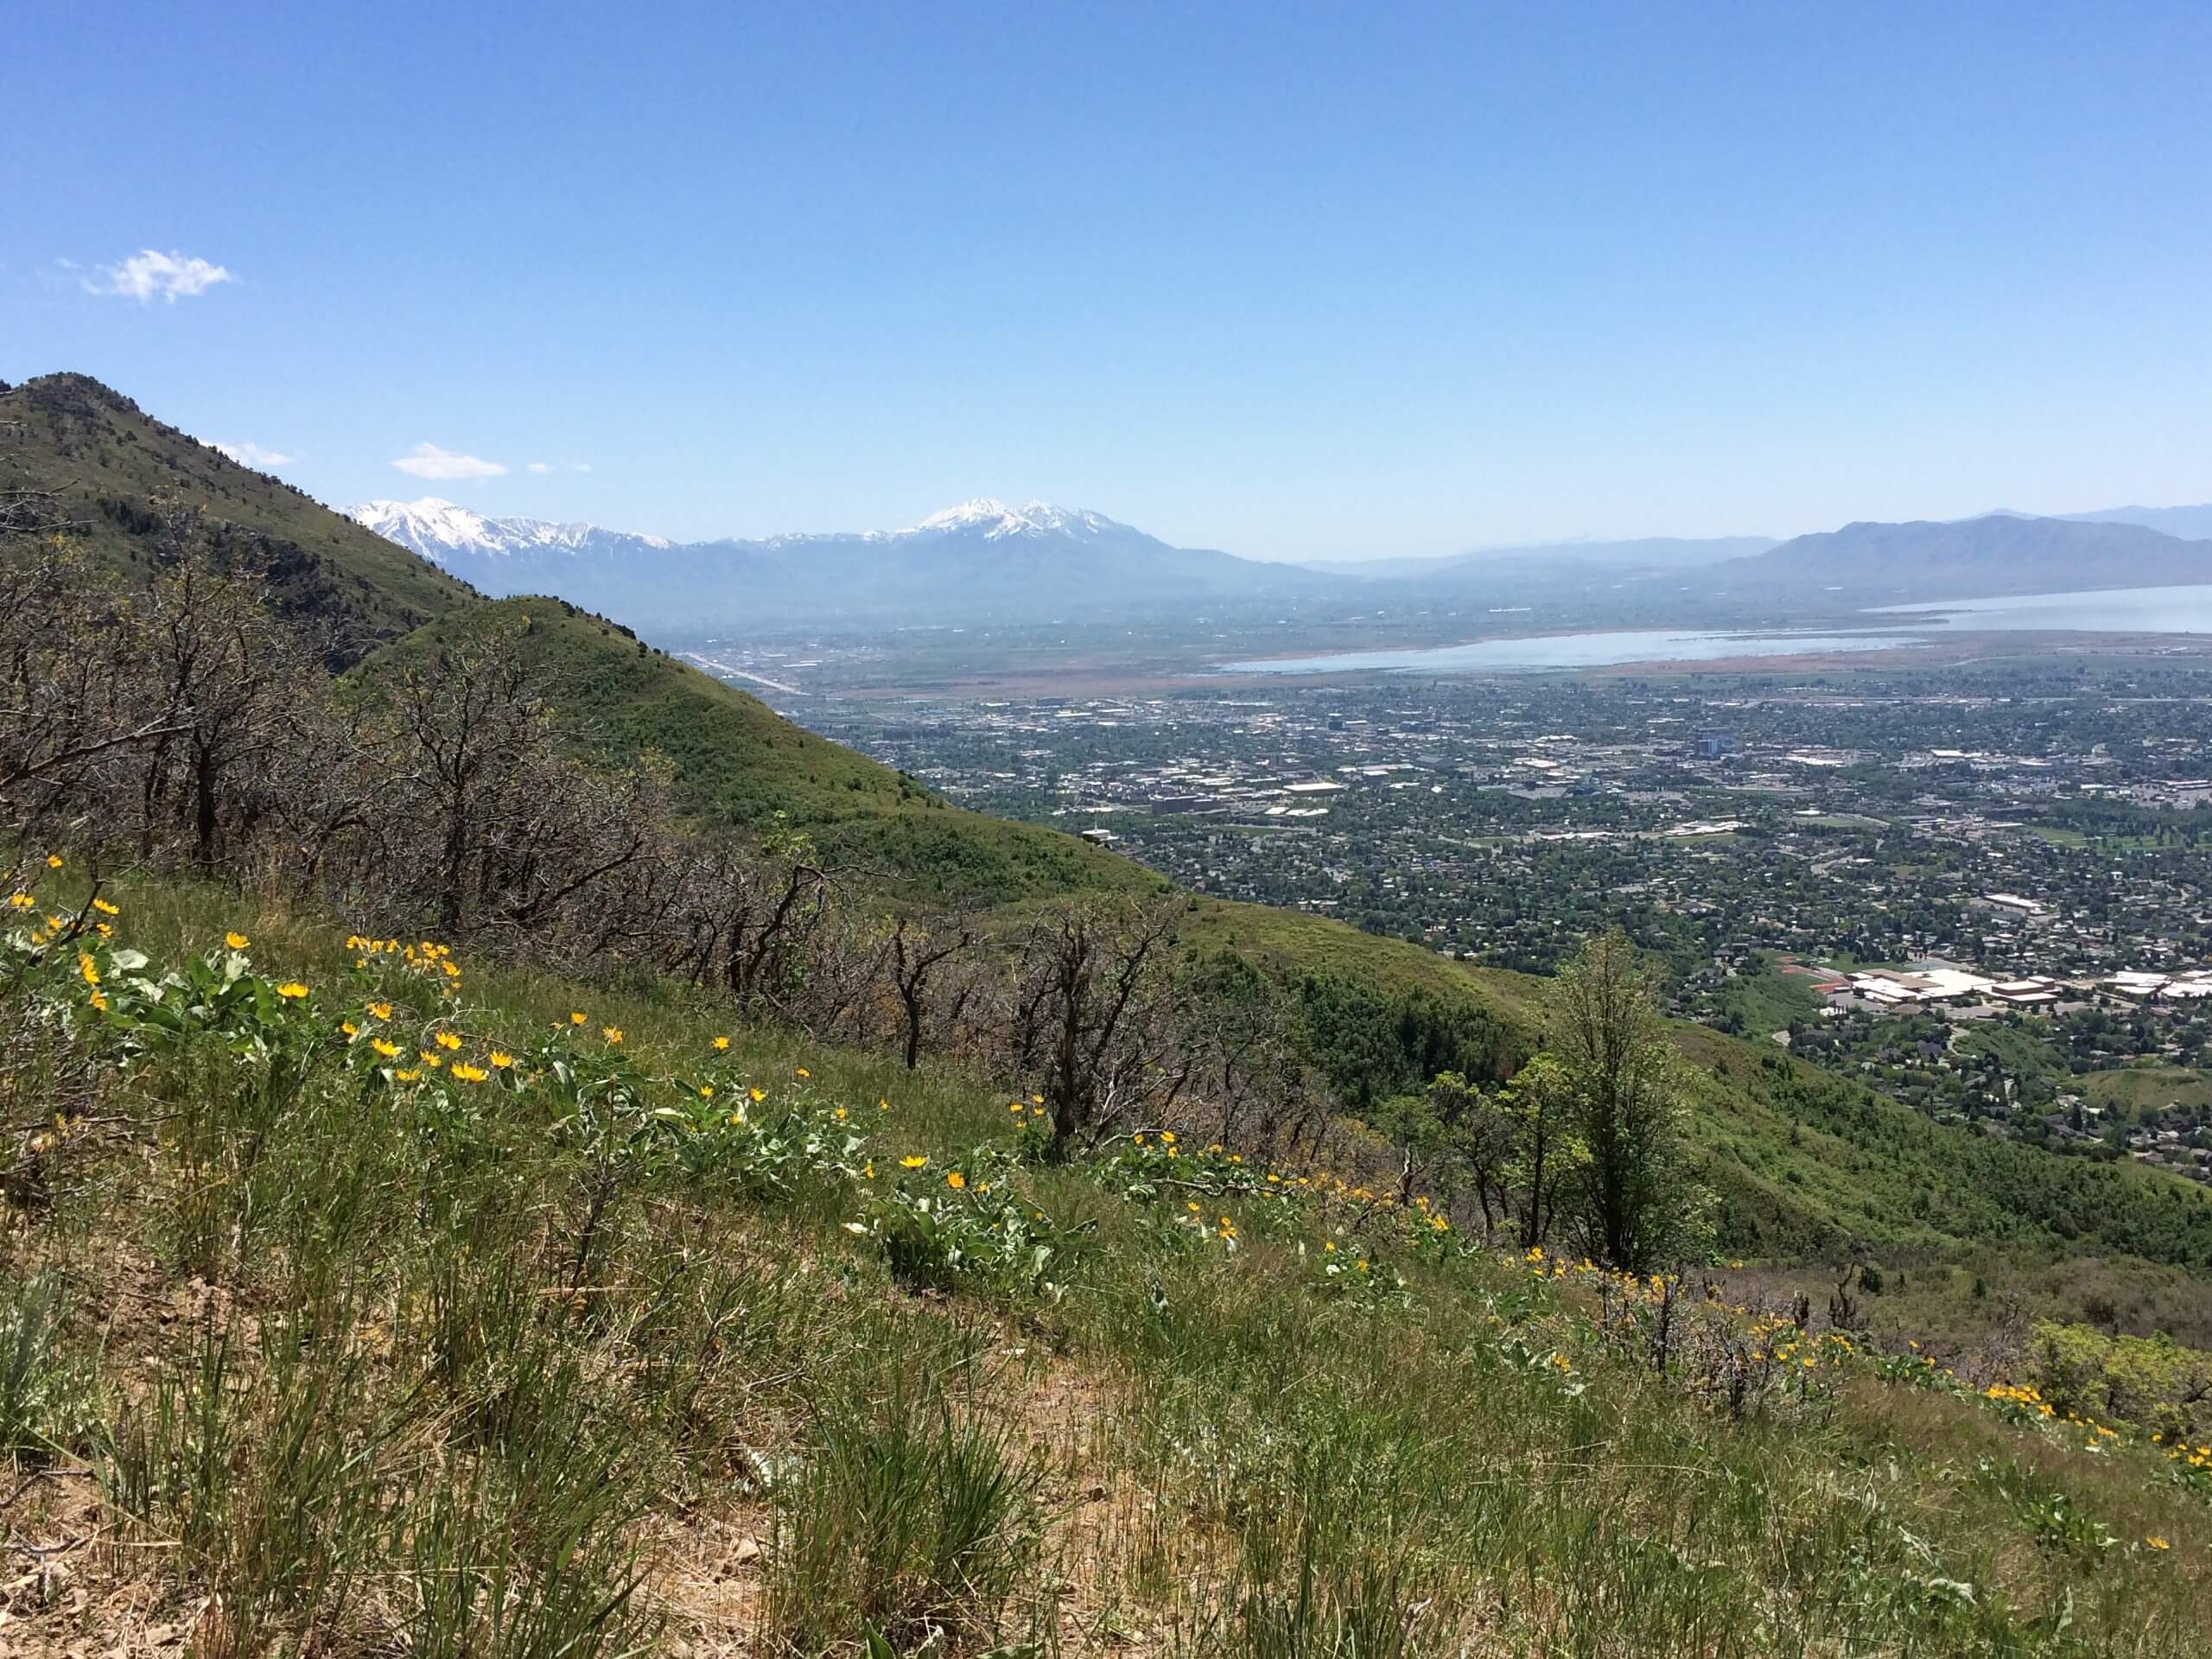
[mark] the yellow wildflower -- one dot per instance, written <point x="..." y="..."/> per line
<point x="915" y="1162"/>
<point x="721" y="1043"/>
<point x="105" y="908"/>
<point x="237" y="941"/>
<point x="613" y="1034"/>
<point x="291" y="990"/>
<point x="955" y="1180"/>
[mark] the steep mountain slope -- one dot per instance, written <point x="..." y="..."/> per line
<point x="1971" y="558"/>
<point x="983" y="561"/>
<point x="117" y="475"/>
<point x="113" y="470"/>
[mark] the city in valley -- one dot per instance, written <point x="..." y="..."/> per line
<point x="1983" y="891"/>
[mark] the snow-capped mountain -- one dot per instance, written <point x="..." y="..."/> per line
<point x="982" y="560"/>
<point x="439" y="529"/>
<point x="996" y="521"/>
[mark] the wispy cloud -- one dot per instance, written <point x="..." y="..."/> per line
<point x="541" y="465"/>
<point x="581" y="466"/>
<point x="428" y="460"/>
<point x="252" y="455"/>
<point x="149" y="273"/>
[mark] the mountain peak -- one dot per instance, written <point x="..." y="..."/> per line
<point x="995" y="519"/>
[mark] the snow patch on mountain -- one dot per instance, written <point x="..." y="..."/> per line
<point x="996" y="520"/>
<point x="441" y="531"/>
<point x="435" y="528"/>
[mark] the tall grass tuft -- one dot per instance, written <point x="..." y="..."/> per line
<point x="46" y="1407"/>
<point x="912" y="1519"/>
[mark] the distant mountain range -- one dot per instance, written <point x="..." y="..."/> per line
<point x="1970" y="558"/>
<point x="118" y="479"/>
<point x="984" y="560"/>
<point x="2189" y="523"/>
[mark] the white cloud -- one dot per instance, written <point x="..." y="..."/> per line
<point x="581" y="466"/>
<point x="541" y="465"/>
<point x="428" y="460"/>
<point x="150" y="272"/>
<point x="252" y="455"/>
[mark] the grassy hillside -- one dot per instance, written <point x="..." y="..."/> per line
<point x="114" y="472"/>
<point x="362" y="1301"/>
<point x="2138" y="1089"/>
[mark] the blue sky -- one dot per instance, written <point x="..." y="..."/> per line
<point x="1291" y="281"/>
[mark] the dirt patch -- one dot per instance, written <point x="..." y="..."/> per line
<point x="707" y="1575"/>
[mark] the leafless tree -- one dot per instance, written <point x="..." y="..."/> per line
<point x="916" y="955"/>
<point x="1093" y="1017"/>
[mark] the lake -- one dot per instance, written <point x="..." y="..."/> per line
<point x="2127" y="610"/>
